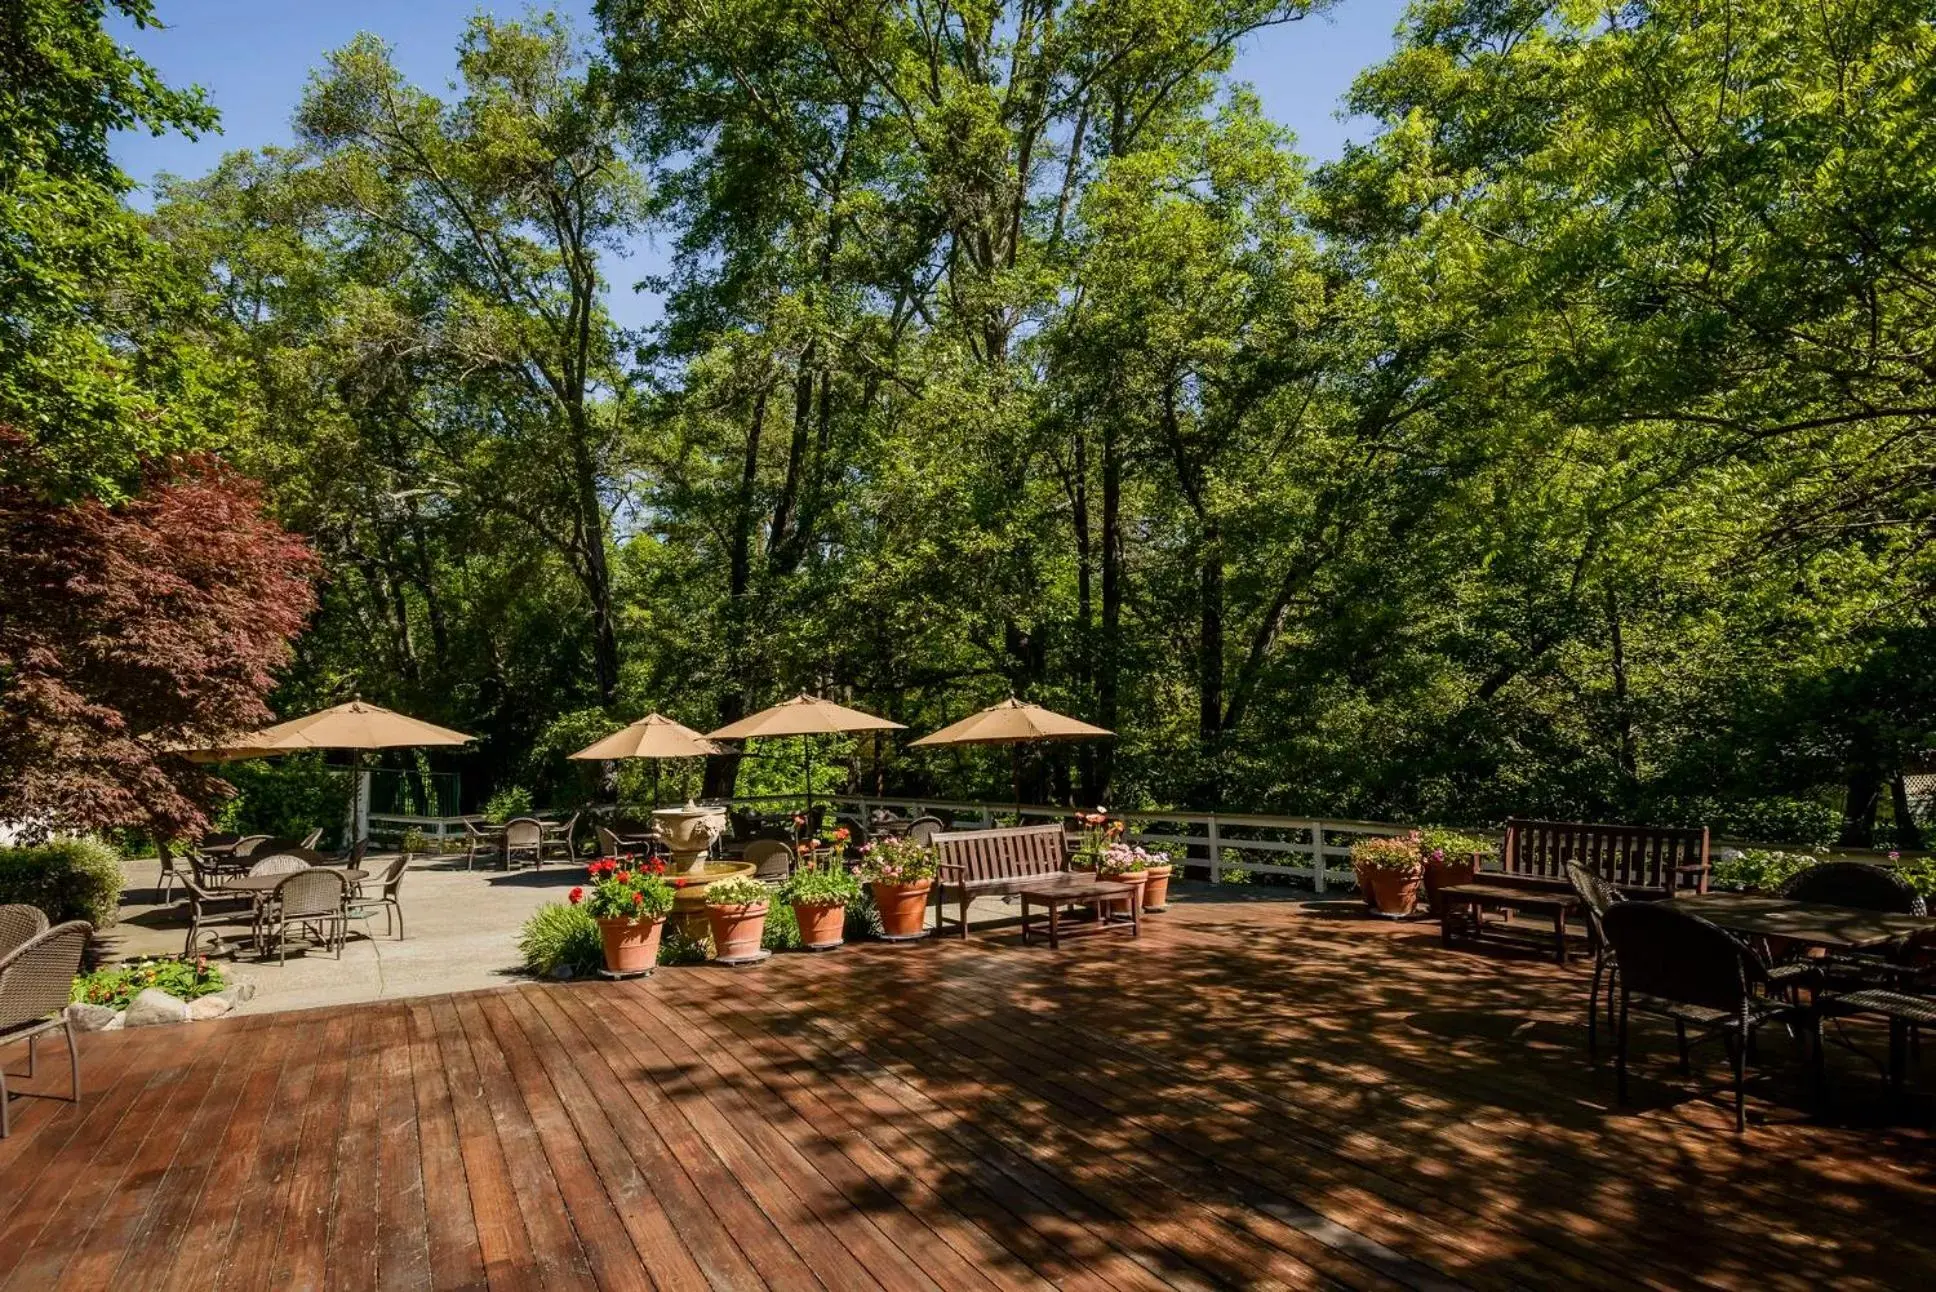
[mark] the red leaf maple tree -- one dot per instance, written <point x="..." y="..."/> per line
<point x="131" y="631"/>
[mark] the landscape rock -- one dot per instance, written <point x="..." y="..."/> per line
<point x="91" y="1018"/>
<point x="206" y="1007"/>
<point x="116" y="1023"/>
<point x="561" y="972"/>
<point x="153" y="1007"/>
<point x="238" y="991"/>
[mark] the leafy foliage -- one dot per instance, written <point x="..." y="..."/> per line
<point x="1759" y="870"/>
<point x="560" y="934"/>
<point x="738" y="890"/>
<point x="829" y="885"/>
<point x="116" y="986"/>
<point x="626" y="890"/>
<point x="68" y="879"/>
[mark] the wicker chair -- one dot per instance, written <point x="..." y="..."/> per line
<point x="386" y="899"/>
<point x="313" y="838"/>
<point x="1597" y="896"/>
<point x="315" y="898"/>
<point x="523" y="837"/>
<point x="210" y="906"/>
<point x="923" y="829"/>
<point x="772" y="859"/>
<point x="281" y="863"/>
<point x="18" y="925"/>
<point x="565" y="843"/>
<point x="478" y="843"/>
<point x="1681" y="967"/>
<point x="1864" y="887"/>
<point x="247" y="844"/>
<point x="170" y="872"/>
<point x="35" y="979"/>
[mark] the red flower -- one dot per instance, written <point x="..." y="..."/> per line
<point x="840" y="834"/>
<point x="678" y="881"/>
<point x="658" y="866"/>
<point x="638" y="899"/>
<point x="623" y="877"/>
<point x="577" y="896"/>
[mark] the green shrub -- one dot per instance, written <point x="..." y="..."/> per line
<point x="1920" y="875"/>
<point x="117" y="986"/>
<point x="285" y="797"/>
<point x="675" y="948"/>
<point x="782" y="931"/>
<point x="1455" y="843"/>
<point x="511" y="801"/>
<point x="68" y="879"/>
<point x="415" y="841"/>
<point x="1763" y="870"/>
<point x="740" y="890"/>
<point x="863" y="918"/>
<point x="557" y="934"/>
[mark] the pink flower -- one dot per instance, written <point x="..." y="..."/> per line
<point x="1895" y="856"/>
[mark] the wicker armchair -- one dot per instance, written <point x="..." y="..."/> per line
<point x="1864" y="887"/>
<point x="923" y="829"/>
<point x="247" y="844"/>
<point x="18" y="925"/>
<point x="364" y="904"/>
<point x="1681" y="967"/>
<point x="35" y="979"/>
<point x="281" y="863"/>
<point x="565" y="842"/>
<point x="1597" y="896"/>
<point x="772" y="859"/>
<point x="478" y="843"/>
<point x="313" y="838"/>
<point x="316" y="899"/>
<point x="523" y="837"/>
<point x="213" y="907"/>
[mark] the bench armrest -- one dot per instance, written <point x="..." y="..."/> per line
<point x="949" y="867"/>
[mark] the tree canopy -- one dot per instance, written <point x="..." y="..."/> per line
<point x="1563" y="448"/>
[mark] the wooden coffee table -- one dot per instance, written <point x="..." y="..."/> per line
<point x="1101" y="895"/>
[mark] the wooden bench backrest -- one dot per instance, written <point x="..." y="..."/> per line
<point x="1630" y="857"/>
<point x="1015" y="852"/>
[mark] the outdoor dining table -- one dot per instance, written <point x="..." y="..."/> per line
<point x="1837" y="927"/>
<point x="261" y="884"/>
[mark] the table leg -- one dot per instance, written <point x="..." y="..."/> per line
<point x="1559" y="935"/>
<point x="1055" y="930"/>
<point x="1136" y="911"/>
<point x="1025" y="917"/>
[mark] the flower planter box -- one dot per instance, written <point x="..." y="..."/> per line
<point x="631" y="946"/>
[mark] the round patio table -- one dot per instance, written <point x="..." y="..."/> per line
<point x="260" y="884"/>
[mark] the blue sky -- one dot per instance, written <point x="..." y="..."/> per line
<point x="254" y="58"/>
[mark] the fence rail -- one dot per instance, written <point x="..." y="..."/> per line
<point x="1316" y="851"/>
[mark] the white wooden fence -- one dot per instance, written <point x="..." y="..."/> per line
<point x="1317" y="852"/>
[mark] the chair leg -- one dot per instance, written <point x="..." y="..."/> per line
<point x="73" y="1061"/>
<point x="1593" y="1011"/>
<point x="1739" y="1053"/>
<point x="33" y="1044"/>
<point x="1680" y="1039"/>
<point x="5" y="1099"/>
<point x="1620" y="1048"/>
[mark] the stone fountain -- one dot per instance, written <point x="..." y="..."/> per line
<point x="689" y="833"/>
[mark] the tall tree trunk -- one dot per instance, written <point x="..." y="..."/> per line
<point x="1210" y="642"/>
<point x="1108" y="661"/>
<point x="1908" y="833"/>
<point x="597" y="572"/>
<point x="1859" y="807"/>
<point x="1629" y="754"/>
<point x="1084" y="669"/>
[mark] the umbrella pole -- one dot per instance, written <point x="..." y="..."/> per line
<point x="655" y="782"/>
<point x="806" y="755"/>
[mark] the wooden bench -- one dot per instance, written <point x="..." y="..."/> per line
<point x="1643" y="862"/>
<point x="973" y="863"/>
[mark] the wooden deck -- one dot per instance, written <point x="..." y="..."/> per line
<point x="1252" y="1095"/>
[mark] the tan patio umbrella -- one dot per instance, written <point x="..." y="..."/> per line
<point x="654" y="736"/>
<point x="1016" y="723"/>
<point x="804" y="715"/>
<point x="355" y="726"/>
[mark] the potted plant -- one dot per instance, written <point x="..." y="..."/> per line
<point x="1125" y="863"/>
<point x="1447" y="857"/>
<point x="630" y="906"/>
<point x="1156" y="890"/>
<point x="900" y="874"/>
<point x="1098" y="832"/>
<point x="1389" y="872"/>
<point x="736" y="911"/>
<point x="819" y="890"/>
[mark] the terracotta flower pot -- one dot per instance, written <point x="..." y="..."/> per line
<point x="1444" y="873"/>
<point x="737" y="929"/>
<point x="1392" y="892"/>
<point x="821" y="925"/>
<point x="1138" y="878"/>
<point x="631" y="946"/>
<point x="1156" y="892"/>
<point x="903" y="907"/>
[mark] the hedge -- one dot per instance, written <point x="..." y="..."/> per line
<point x="69" y="879"/>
